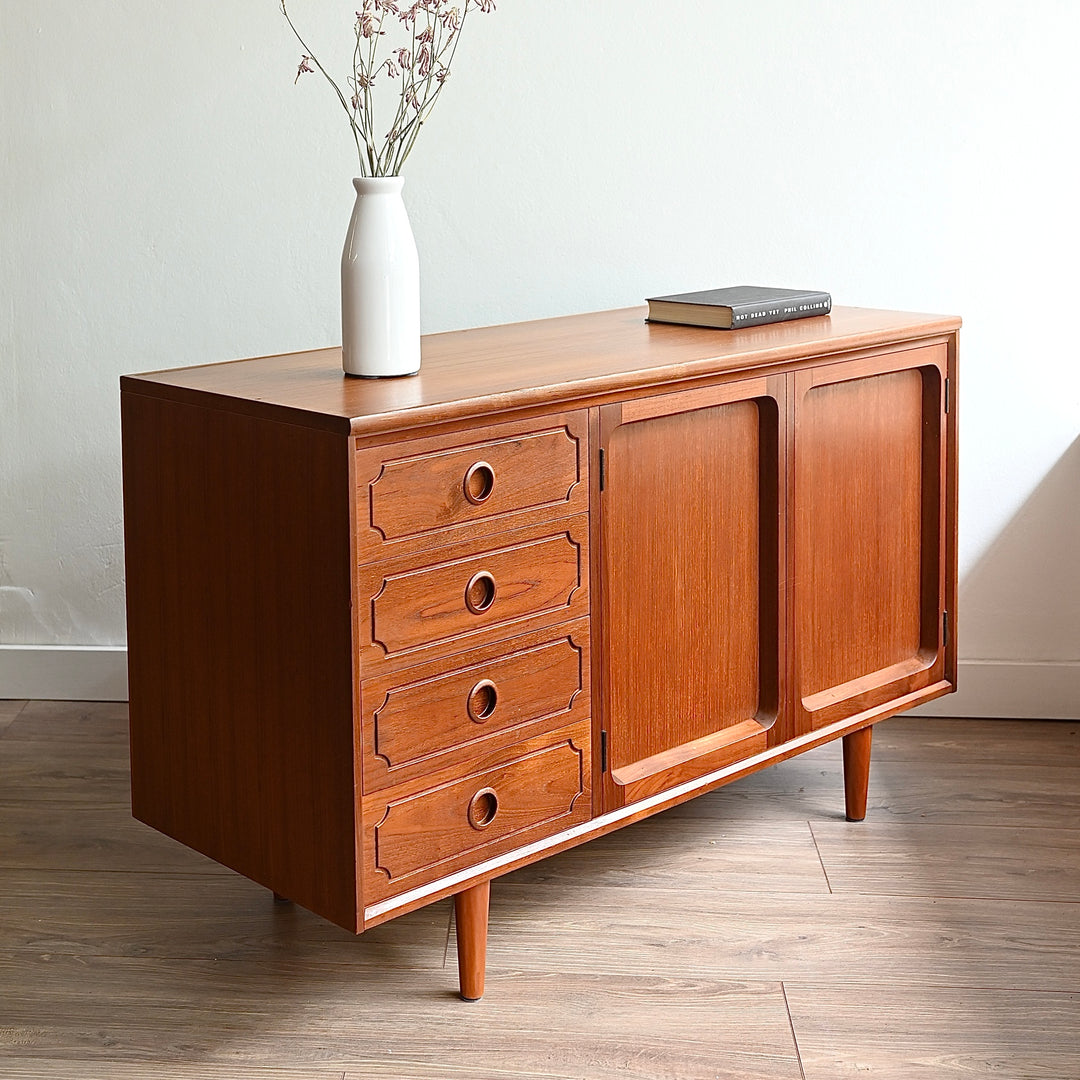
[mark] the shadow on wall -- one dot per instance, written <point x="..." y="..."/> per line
<point x="1019" y="610"/>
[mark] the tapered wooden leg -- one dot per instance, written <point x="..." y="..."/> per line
<point x="857" y="772"/>
<point x="471" y="916"/>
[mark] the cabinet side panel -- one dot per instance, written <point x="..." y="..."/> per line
<point x="238" y="589"/>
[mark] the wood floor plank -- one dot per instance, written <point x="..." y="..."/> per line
<point x="702" y="853"/>
<point x="312" y="1013"/>
<point x="921" y="739"/>
<point x="73" y="773"/>
<point x="224" y="917"/>
<point x="502" y="1069"/>
<point x="664" y="949"/>
<point x="962" y="793"/>
<point x="988" y="861"/>
<point x="945" y="791"/>
<point x="924" y="769"/>
<point x="842" y="938"/>
<point x="9" y="710"/>
<point x="67" y="753"/>
<point x="31" y="1068"/>
<point x="92" y="721"/>
<point x="894" y="1033"/>
<point x="37" y="835"/>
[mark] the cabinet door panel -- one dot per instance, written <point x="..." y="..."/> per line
<point x="691" y="539"/>
<point x="868" y="540"/>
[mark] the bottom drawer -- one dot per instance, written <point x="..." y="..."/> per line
<point x="534" y="789"/>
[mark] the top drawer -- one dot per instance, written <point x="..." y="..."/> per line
<point x="413" y="494"/>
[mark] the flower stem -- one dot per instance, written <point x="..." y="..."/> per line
<point x="424" y="67"/>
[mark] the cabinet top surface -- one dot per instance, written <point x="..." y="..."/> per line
<point x="496" y="369"/>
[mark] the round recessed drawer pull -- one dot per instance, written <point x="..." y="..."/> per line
<point x="483" y="698"/>
<point x="479" y="482"/>
<point x="483" y="807"/>
<point x="480" y="592"/>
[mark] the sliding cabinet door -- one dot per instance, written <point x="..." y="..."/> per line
<point x="869" y="532"/>
<point x="692" y="551"/>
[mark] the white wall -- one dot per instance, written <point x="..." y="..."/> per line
<point x="170" y="197"/>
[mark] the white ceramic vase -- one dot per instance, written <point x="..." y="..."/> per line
<point x="380" y="284"/>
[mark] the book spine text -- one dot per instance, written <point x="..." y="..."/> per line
<point x="755" y="314"/>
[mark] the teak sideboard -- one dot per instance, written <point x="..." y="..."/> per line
<point x="389" y="639"/>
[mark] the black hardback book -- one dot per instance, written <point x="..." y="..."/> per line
<point x="739" y="306"/>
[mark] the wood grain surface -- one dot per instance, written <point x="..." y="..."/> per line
<point x="961" y="1033"/>
<point x="434" y="825"/>
<point x="937" y="939"/>
<point x="54" y="752"/>
<point x="980" y="861"/>
<point x="859" y="459"/>
<point x="942" y="789"/>
<point x="9" y="710"/>
<point x="431" y="717"/>
<point x="422" y="602"/>
<point x="416" y="493"/>
<point x="856" y="754"/>
<point x="237" y="538"/>
<point x="691" y="528"/>
<point x="984" y="742"/>
<point x="869" y="451"/>
<point x="681" y="552"/>
<point x="472" y="373"/>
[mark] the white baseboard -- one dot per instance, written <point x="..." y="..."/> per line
<point x="64" y="672"/>
<point x="1048" y="690"/>
<point x="1017" y="689"/>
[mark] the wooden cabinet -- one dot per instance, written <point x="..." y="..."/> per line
<point x="391" y="639"/>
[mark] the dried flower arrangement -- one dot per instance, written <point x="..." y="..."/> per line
<point x="429" y="31"/>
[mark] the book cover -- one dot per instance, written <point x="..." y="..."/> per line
<point x="738" y="306"/>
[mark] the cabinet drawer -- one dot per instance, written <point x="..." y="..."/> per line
<point x="428" y="717"/>
<point x="453" y="593"/>
<point x="540" y="787"/>
<point x="409" y="495"/>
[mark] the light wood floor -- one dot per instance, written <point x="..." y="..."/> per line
<point x="752" y="933"/>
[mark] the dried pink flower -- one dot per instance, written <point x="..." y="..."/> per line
<point x="368" y="25"/>
<point x="303" y="69"/>
<point x="431" y="29"/>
